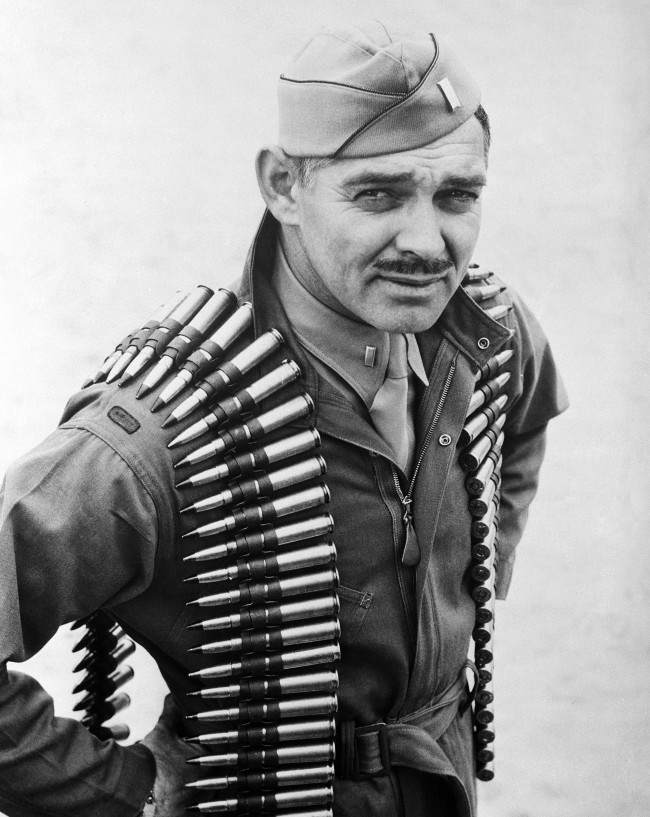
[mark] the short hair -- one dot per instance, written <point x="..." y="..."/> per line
<point x="306" y="166"/>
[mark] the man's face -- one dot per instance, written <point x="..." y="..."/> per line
<point x="391" y="236"/>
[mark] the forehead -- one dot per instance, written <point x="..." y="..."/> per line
<point x="457" y="154"/>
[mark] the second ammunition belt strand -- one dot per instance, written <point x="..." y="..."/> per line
<point x="106" y="647"/>
<point x="480" y="442"/>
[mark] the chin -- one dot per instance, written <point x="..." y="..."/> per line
<point x="408" y="321"/>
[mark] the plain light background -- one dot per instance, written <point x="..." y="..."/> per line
<point x="127" y="137"/>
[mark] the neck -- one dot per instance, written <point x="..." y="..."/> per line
<point x="302" y="268"/>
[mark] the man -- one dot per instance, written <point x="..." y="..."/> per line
<point x="373" y="199"/>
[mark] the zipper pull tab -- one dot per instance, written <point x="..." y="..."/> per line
<point x="411" y="553"/>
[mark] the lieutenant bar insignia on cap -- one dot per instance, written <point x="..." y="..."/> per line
<point x="449" y="93"/>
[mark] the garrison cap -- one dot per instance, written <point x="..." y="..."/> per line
<point x="360" y="91"/>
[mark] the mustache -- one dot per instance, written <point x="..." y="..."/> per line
<point x="403" y="267"/>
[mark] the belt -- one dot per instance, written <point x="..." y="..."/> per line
<point x="371" y="750"/>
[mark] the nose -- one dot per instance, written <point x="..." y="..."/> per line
<point x="420" y="232"/>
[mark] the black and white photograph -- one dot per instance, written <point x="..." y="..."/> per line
<point x="324" y="392"/>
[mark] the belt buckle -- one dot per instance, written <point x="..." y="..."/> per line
<point x="371" y="751"/>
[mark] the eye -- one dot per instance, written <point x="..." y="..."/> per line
<point x="371" y="194"/>
<point x="375" y="198"/>
<point x="458" y="200"/>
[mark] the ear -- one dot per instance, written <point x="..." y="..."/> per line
<point x="276" y="178"/>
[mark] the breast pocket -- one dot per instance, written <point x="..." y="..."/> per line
<point x="355" y="605"/>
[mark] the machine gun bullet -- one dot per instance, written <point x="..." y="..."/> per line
<point x="484" y="756"/>
<point x="484" y="695"/>
<point x="480" y="505"/>
<point x="481" y="420"/>
<point x="270" y="565"/>
<point x="481" y="527"/>
<point x="244" y="463"/>
<point x="260" y="664"/>
<point x="481" y="293"/>
<point x="268" y="757"/>
<point x="273" y="638"/>
<point x="188" y="338"/>
<point x="471" y="458"/>
<point x="109" y="661"/>
<point x="253" y="429"/>
<point x="102" y="642"/>
<point x="216" y="383"/>
<point x="498" y="312"/>
<point x="255" y="542"/>
<point x="271" y="711"/>
<point x="95" y="638"/>
<point x="492" y="366"/>
<point x="102" y="685"/>
<point x="255" y="689"/>
<point x="265" y="485"/>
<point x="243" y="402"/>
<point x="267" y="778"/>
<point x="269" y="511"/>
<point x="209" y="353"/>
<point x="487" y="391"/>
<point x="271" y="615"/>
<point x="274" y="589"/>
<point x="485" y="771"/>
<point x="101" y="711"/>
<point x="135" y="341"/>
<point x="476" y="273"/>
<point x="254" y="803"/>
<point x="476" y="483"/>
<point x="168" y="329"/>
<point x="250" y="735"/>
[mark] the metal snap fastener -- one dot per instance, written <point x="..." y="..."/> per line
<point x="483" y="343"/>
<point x="444" y="439"/>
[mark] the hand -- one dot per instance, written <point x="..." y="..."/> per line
<point x="171" y="753"/>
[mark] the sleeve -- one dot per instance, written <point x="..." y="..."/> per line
<point x="77" y="531"/>
<point x="539" y="395"/>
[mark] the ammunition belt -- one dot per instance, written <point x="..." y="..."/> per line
<point x="267" y="688"/>
<point x="261" y="563"/>
<point x="480" y="444"/>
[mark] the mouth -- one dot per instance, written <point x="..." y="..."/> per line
<point x="415" y="280"/>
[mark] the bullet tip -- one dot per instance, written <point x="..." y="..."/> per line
<point x="143" y="389"/>
<point x="126" y="379"/>
<point x="196" y="626"/>
<point x="189" y="507"/>
<point x="184" y="483"/>
<point x="184" y="461"/>
<point x="168" y="421"/>
<point x="157" y="403"/>
<point x="87" y="382"/>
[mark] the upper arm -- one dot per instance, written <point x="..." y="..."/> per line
<point x="78" y="531"/>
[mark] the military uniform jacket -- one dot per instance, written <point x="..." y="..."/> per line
<point x="90" y="519"/>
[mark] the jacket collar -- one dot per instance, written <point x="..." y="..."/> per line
<point x="463" y="322"/>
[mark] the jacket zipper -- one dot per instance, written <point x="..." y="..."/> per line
<point x="411" y="552"/>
